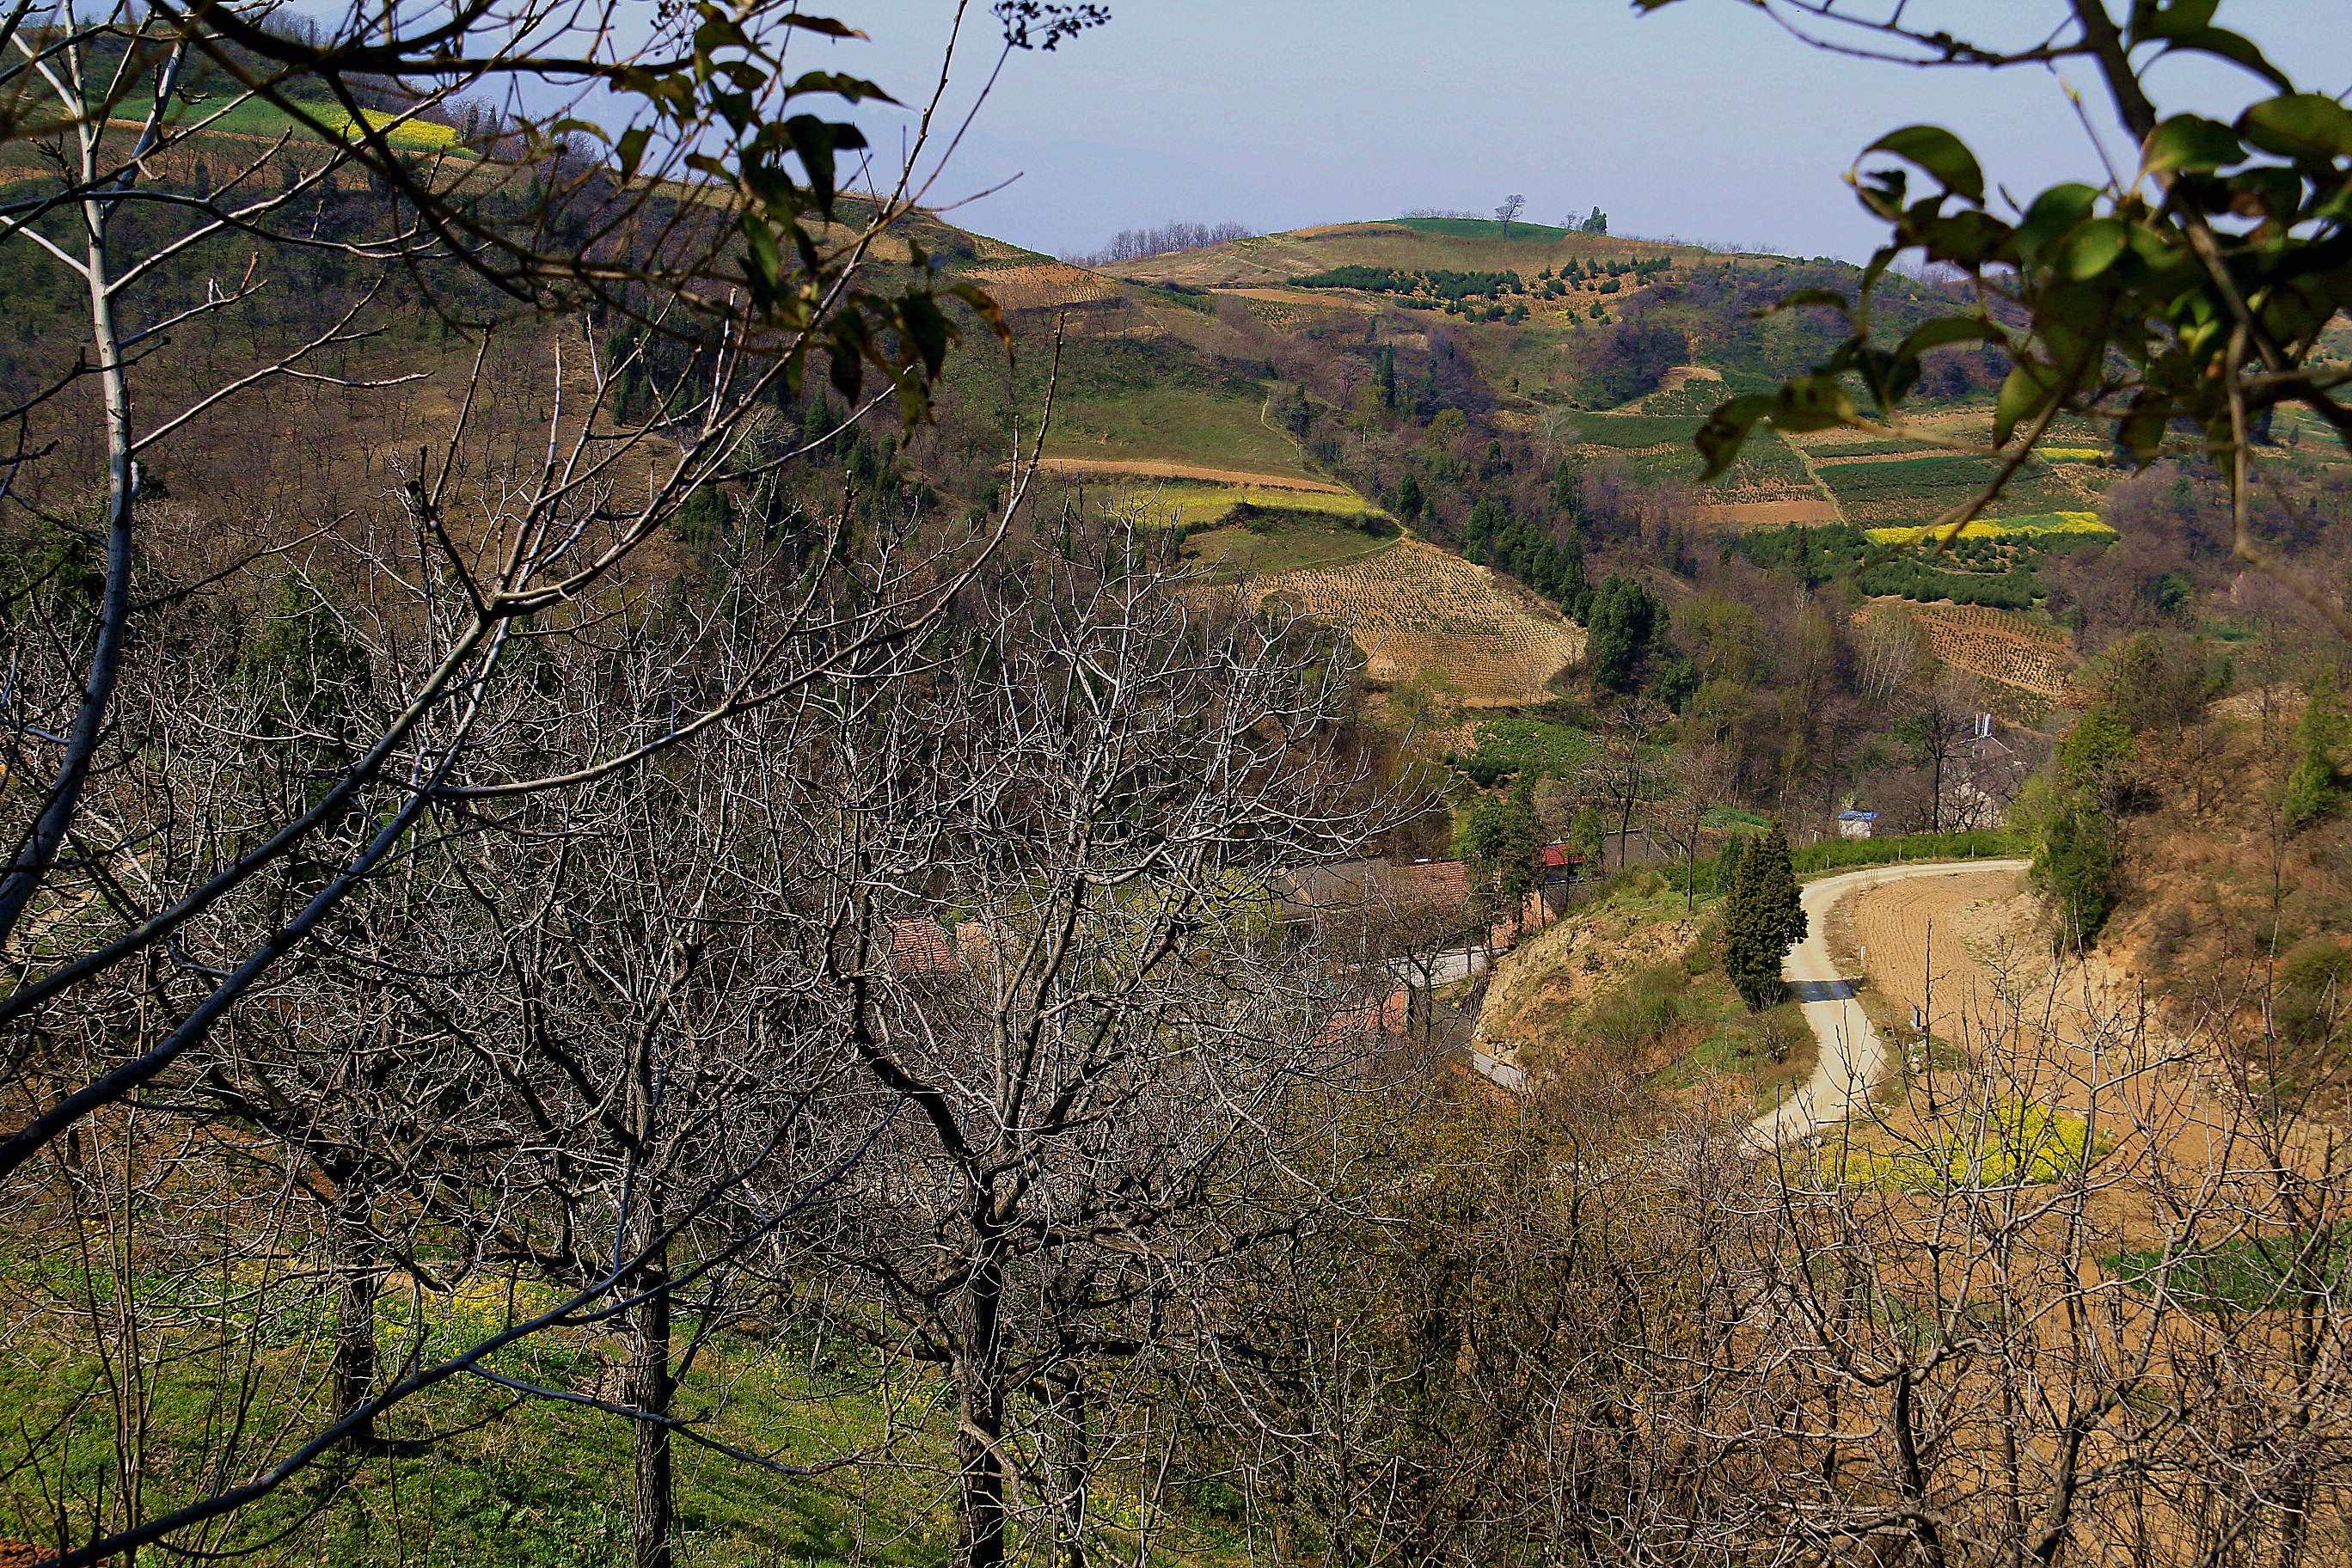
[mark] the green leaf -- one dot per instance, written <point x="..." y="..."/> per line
<point x="825" y="25"/>
<point x="1726" y="430"/>
<point x="1880" y="260"/>
<point x="2142" y="429"/>
<point x="2154" y="19"/>
<point x="926" y="329"/>
<point x="980" y="301"/>
<point x="631" y="149"/>
<point x="2299" y="125"/>
<point x="2233" y="48"/>
<point x="763" y="261"/>
<point x="2022" y="394"/>
<point x="1969" y="238"/>
<point x="2054" y="212"/>
<point x="1814" y="403"/>
<point x="2266" y="191"/>
<point x="2091" y="248"/>
<point x="2191" y="143"/>
<point x="813" y="139"/>
<point x="1940" y="154"/>
<point x="1803" y="298"/>
<point x="850" y="87"/>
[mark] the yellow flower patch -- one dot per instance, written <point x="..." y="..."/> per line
<point x="2002" y="528"/>
<point x="407" y="134"/>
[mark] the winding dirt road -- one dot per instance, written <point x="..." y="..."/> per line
<point x="1852" y="1057"/>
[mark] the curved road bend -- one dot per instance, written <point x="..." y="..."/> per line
<point x="1853" y="1058"/>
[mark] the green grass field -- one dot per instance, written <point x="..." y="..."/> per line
<point x="1175" y="425"/>
<point x="542" y="1484"/>
<point x="1914" y="491"/>
<point x="1283" y="542"/>
<point x="1182" y="503"/>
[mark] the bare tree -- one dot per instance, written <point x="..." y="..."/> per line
<point x="1104" y="1064"/>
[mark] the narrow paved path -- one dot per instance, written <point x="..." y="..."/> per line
<point x="1853" y="1058"/>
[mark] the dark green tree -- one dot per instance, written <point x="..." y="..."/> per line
<point x="1567" y="496"/>
<point x="1762" y="919"/>
<point x="2076" y="869"/>
<point x="2316" y="786"/>
<point x="1501" y="843"/>
<point x="1410" y="502"/>
<point x="1625" y="622"/>
<point x="1588" y="834"/>
<point x="303" y="667"/>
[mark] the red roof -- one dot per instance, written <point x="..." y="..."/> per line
<point x="1392" y="1016"/>
<point x="1559" y="855"/>
<point x="917" y="946"/>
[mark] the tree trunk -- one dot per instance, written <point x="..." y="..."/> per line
<point x="358" y="1270"/>
<point x="650" y="1390"/>
<point x="979" y="1415"/>
<point x="1077" y="1475"/>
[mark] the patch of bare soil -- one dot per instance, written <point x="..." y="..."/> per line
<point x="1770" y="513"/>
<point x="1954" y="948"/>
<point x="1970" y="953"/>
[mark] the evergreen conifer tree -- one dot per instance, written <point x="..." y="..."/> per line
<point x="1566" y="498"/>
<point x="2076" y="870"/>
<point x="1409" y="499"/>
<point x="1625" y="619"/>
<point x="1727" y="871"/>
<point x="2315" y="788"/>
<point x="1762" y="919"/>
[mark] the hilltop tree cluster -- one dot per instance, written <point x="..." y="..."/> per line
<point x="1133" y="244"/>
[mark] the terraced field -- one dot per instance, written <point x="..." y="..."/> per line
<point x="1042" y="285"/>
<point x="1994" y="644"/>
<point x="1412" y="607"/>
<point x="1908" y="491"/>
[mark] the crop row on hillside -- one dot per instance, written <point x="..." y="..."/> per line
<point x="1918" y="490"/>
<point x="1635" y="430"/>
<point x="1414" y="608"/>
<point x="1850" y="451"/>
<point x="2010" y="648"/>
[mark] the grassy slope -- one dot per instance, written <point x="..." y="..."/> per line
<point x="546" y="1485"/>
<point x="1276" y="258"/>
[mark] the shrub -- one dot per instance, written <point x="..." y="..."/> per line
<point x="2315" y="788"/>
<point x="1629" y="1018"/>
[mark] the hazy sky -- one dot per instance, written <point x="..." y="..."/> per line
<point x="1705" y="121"/>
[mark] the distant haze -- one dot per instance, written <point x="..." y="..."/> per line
<point x="1705" y="121"/>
